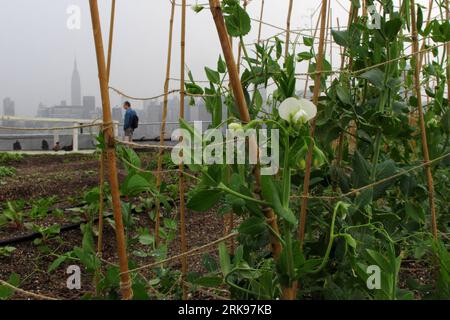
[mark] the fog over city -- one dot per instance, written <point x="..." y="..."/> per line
<point x="38" y="50"/>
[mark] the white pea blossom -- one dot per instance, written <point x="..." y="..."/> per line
<point x="297" y="110"/>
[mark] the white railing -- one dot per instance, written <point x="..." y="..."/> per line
<point x="75" y="126"/>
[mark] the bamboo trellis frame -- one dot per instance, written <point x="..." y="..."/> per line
<point x="125" y="279"/>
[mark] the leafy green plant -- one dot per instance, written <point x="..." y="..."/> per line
<point x="7" y="171"/>
<point x="13" y="214"/>
<point x="7" y="158"/>
<point x="47" y="234"/>
<point x="6" y="251"/>
<point x="7" y="292"/>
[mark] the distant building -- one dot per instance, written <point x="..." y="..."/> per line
<point x="9" y="107"/>
<point x="75" y="86"/>
<point x="80" y="107"/>
<point x="89" y="103"/>
<point x="117" y="114"/>
<point x="43" y="111"/>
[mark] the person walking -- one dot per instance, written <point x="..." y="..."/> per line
<point x="130" y="122"/>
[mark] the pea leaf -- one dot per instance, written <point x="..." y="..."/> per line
<point x="213" y="76"/>
<point x="375" y="77"/>
<point x="307" y="41"/>
<point x="203" y="199"/>
<point x="236" y="19"/>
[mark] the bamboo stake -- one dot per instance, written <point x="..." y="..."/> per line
<point x="288" y="28"/>
<point x="415" y="51"/>
<point x="102" y="156"/>
<point x="125" y="280"/>
<point x="261" y="14"/>
<point x="448" y="58"/>
<point x="316" y="94"/>
<point x="330" y="22"/>
<point x="162" y="132"/>
<point x="111" y="35"/>
<point x="184" y="266"/>
<point x="328" y="33"/>
<point x="242" y="107"/>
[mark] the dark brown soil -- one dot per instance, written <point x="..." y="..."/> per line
<point x="70" y="176"/>
<point x="48" y="175"/>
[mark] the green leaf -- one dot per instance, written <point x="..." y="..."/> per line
<point x="344" y="95"/>
<point x="224" y="259"/>
<point x="236" y="19"/>
<point x="379" y="260"/>
<point x="375" y="77"/>
<point x="136" y="185"/>
<point x="221" y="65"/>
<point x="193" y="88"/>
<point x="253" y="226"/>
<point x="340" y="37"/>
<point x="415" y="212"/>
<point x="350" y="240"/>
<point x="308" y="41"/>
<point x="392" y="28"/>
<point x="212" y="75"/>
<point x="361" y="169"/>
<point x="203" y="199"/>
<point x="271" y="194"/>
<point x="407" y="184"/>
<point x="209" y="263"/>
<point x="88" y="238"/>
<point x="7" y="292"/>
<point x="146" y="239"/>
<point x="384" y="170"/>
<point x="56" y="263"/>
<point x="419" y="18"/>
<point x="209" y="282"/>
<point x="306" y="55"/>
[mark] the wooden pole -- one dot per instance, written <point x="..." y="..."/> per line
<point x="261" y="14"/>
<point x="125" y="280"/>
<point x="417" y="87"/>
<point x="288" y="29"/>
<point x="162" y="132"/>
<point x="447" y="6"/>
<point x="316" y="94"/>
<point x="242" y="107"/>
<point x="330" y="22"/>
<point x="111" y="35"/>
<point x="184" y="266"/>
<point x="102" y="156"/>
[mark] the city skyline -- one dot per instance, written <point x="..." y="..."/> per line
<point x="139" y="52"/>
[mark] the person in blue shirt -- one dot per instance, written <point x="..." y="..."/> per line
<point x="130" y="114"/>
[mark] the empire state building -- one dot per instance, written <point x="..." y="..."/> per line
<point x="75" y="86"/>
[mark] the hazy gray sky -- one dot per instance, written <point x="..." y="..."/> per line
<point x="38" y="50"/>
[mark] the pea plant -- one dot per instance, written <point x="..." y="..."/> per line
<point x="379" y="225"/>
